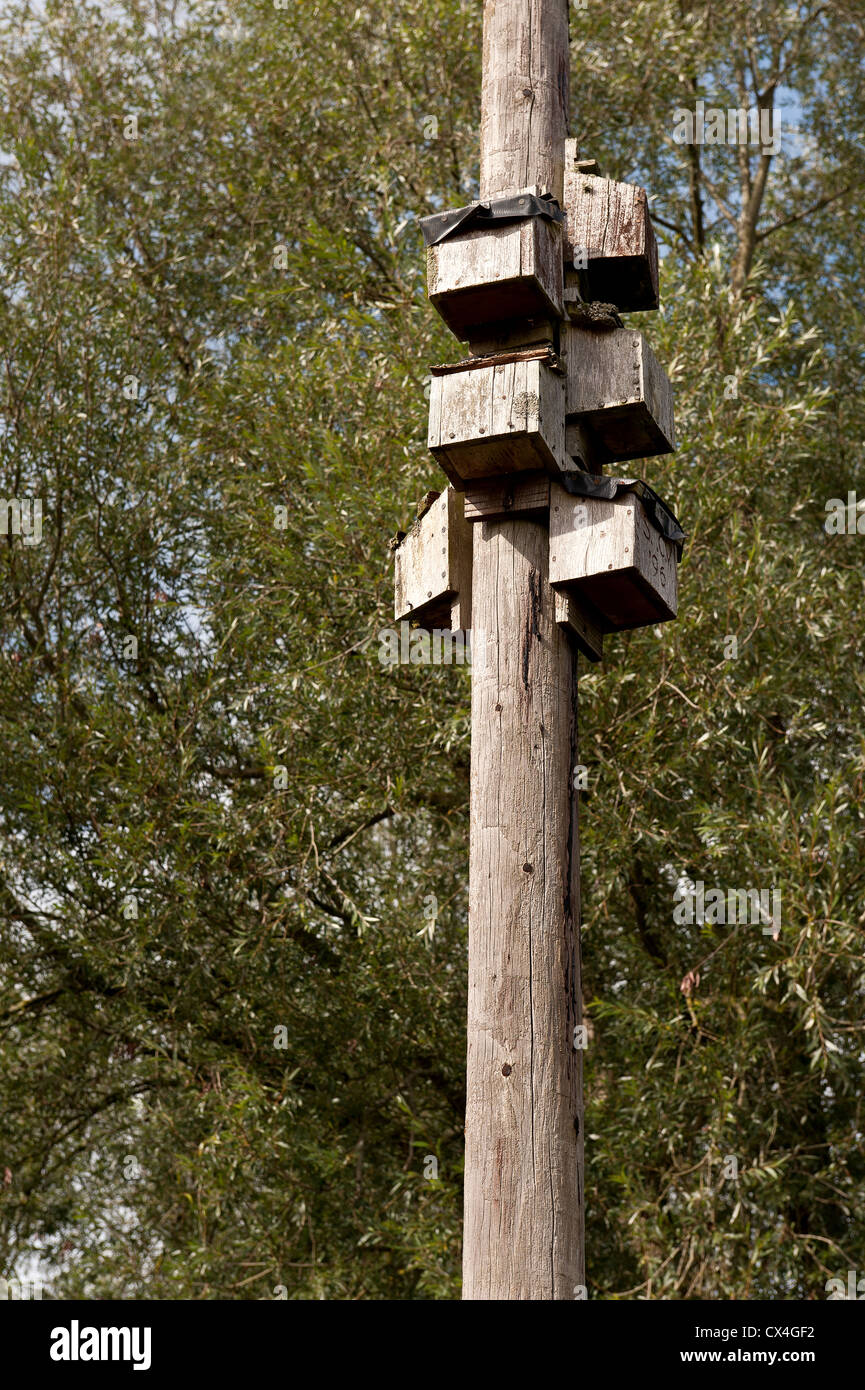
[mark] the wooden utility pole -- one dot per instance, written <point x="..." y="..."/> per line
<point x="523" y="1234"/>
<point x="523" y="1231"/>
<point x="540" y="555"/>
<point x="525" y="96"/>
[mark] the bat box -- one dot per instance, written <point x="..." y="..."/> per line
<point x="490" y="276"/>
<point x="609" y="554"/>
<point x="609" y="238"/>
<point x="498" y="415"/>
<point x="618" y="390"/>
<point x="433" y="568"/>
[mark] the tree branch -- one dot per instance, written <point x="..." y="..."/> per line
<point x="808" y="212"/>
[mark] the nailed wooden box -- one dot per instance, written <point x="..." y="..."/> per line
<point x="433" y="567"/>
<point x="619" y="391"/>
<point x="499" y="415"/>
<point x="610" y="555"/>
<point x="609" y="222"/>
<point x="490" y="276"/>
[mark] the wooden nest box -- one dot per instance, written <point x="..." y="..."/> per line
<point x="609" y="554"/>
<point x="497" y="415"/>
<point x="433" y="568"/>
<point x="618" y="390"/>
<point x="609" y="238"/>
<point x="490" y="276"/>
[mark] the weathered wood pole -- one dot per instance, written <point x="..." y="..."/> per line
<point x="524" y="96"/>
<point x="523" y="1234"/>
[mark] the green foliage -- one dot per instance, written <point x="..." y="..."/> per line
<point x="243" y="823"/>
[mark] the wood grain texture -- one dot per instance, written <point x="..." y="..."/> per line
<point x="610" y="221"/>
<point x="523" y="1234"/>
<point x="506" y="416"/>
<point x="609" y="555"/>
<point x="496" y="276"/>
<point x="524" y="96"/>
<point x="433" y="567"/>
<point x="619" y="391"/>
